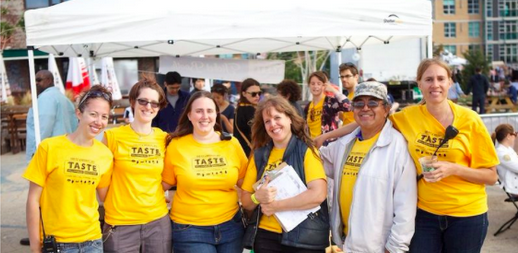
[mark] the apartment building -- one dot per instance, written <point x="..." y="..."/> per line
<point x="489" y="25"/>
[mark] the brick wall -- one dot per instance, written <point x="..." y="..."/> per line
<point x="16" y="10"/>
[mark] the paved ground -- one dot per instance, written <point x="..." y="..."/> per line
<point x="13" y="194"/>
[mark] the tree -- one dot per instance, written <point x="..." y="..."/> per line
<point x="9" y="24"/>
<point x="474" y="59"/>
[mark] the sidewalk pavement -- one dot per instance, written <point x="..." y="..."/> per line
<point x="13" y="194"/>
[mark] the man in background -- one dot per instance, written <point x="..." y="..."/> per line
<point x="479" y="85"/>
<point x="56" y="112"/>
<point x="167" y="118"/>
<point x="349" y="78"/>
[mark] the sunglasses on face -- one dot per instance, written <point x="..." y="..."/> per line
<point x="254" y="94"/>
<point x="95" y="94"/>
<point x="144" y="102"/>
<point x="371" y="104"/>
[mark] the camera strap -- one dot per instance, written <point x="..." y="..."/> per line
<point x="42" y="227"/>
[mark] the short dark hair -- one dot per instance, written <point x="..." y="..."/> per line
<point x="288" y="86"/>
<point x="173" y="78"/>
<point x="349" y="66"/>
<point x="478" y="69"/>
<point x="220" y="89"/>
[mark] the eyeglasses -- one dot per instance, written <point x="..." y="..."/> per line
<point x="95" y="94"/>
<point x="254" y="94"/>
<point x="371" y="104"/>
<point x="346" y="76"/>
<point x="144" y="102"/>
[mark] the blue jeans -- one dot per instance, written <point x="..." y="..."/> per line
<point x="436" y="233"/>
<point x="95" y="246"/>
<point x="226" y="237"/>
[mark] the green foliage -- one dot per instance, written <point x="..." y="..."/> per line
<point x="296" y="61"/>
<point x="292" y="70"/>
<point x="437" y="50"/>
<point x="474" y="58"/>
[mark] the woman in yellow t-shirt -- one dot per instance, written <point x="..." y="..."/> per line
<point x="279" y="135"/>
<point x="136" y="210"/>
<point x="64" y="175"/>
<point x="452" y="201"/>
<point x="205" y="165"/>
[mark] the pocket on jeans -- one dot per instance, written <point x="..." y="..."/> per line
<point x="180" y="227"/>
<point x="98" y="244"/>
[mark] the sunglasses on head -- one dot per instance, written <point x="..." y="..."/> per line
<point x="95" y="94"/>
<point x="371" y="104"/>
<point x="144" y="102"/>
<point x="254" y="94"/>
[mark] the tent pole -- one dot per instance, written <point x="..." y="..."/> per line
<point x="429" y="45"/>
<point x="34" y="95"/>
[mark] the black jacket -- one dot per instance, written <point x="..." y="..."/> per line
<point x="479" y="85"/>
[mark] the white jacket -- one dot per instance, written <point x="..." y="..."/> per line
<point x="384" y="200"/>
<point x="508" y="168"/>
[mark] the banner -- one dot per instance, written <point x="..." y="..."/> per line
<point x="53" y="67"/>
<point x="264" y="71"/>
<point x="77" y="77"/>
<point x="6" y="88"/>
<point x="108" y="78"/>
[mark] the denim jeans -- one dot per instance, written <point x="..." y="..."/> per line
<point x="226" y="237"/>
<point x="95" y="246"/>
<point x="446" y="234"/>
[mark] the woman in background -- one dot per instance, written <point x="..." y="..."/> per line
<point x="505" y="138"/>
<point x="250" y="96"/>
<point x="65" y="174"/>
<point x="220" y="93"/>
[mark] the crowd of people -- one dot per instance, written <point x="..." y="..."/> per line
<point x="360" y="161"/>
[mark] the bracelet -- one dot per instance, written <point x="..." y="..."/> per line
<point x="254" y="199"/>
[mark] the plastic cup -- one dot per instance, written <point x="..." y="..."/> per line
<point x="426" y="165"/>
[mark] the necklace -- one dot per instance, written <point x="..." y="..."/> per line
<point x="139" y="134"/>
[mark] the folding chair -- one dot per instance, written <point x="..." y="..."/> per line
<point x="507" y="225"/>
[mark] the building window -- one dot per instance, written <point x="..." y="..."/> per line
<point x="448" y="6"/>
<point x="508" y="30"/>
<point x="489" y="30"/>
<point x="489" y="50"/>
<point x="489" y="8"/>
<point x="451" y="48"/>
<point x="508" y="8"/>
<point x="473" y="7"/>
<point x="474" y="29"/>
<point x="509" y="53"/>
<point x="33" y="4"/>
<point x="449" y="30"/>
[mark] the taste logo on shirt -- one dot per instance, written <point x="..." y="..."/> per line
<point x="81" y="171"/>
<point x="209" y="161"/>
<point x="355" y="160"/>
<point x="273" y="165"/>
<point x="431" y="140"/>
<point x="144" y="152"/>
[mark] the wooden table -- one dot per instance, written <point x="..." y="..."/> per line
<point x="501" y="102"/>
<point x="16" y="117"/>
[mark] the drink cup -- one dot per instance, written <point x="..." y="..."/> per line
<point x="426" y="165"/>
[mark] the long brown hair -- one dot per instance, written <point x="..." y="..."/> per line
<point x="501" y="132"/>
<point x="260" y="136"/>
<point x="185" y="126"/>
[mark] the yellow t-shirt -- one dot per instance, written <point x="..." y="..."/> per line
<point x="69" y="175"/>
<point x="349" y="175"/>
<point x="313" y="170"/>
<point x="348" y="117"/>
<point x="472" y="147"/>
<point x="136" y="195"/>
<point x="314" y="118"/>
<point x="205" y="176"/>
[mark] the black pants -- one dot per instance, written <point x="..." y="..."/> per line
<point x="479" y="101"/>
<point x="270" y="242"/>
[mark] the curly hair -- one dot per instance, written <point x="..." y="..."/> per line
<point x="289" y="88"/>
<point x="260" y="136"/>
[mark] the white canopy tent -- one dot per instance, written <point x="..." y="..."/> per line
<point x="134" y="28"/>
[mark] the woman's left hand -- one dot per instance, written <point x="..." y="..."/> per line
<point x="269" y="209"/>
<point x="442" y="170"/>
